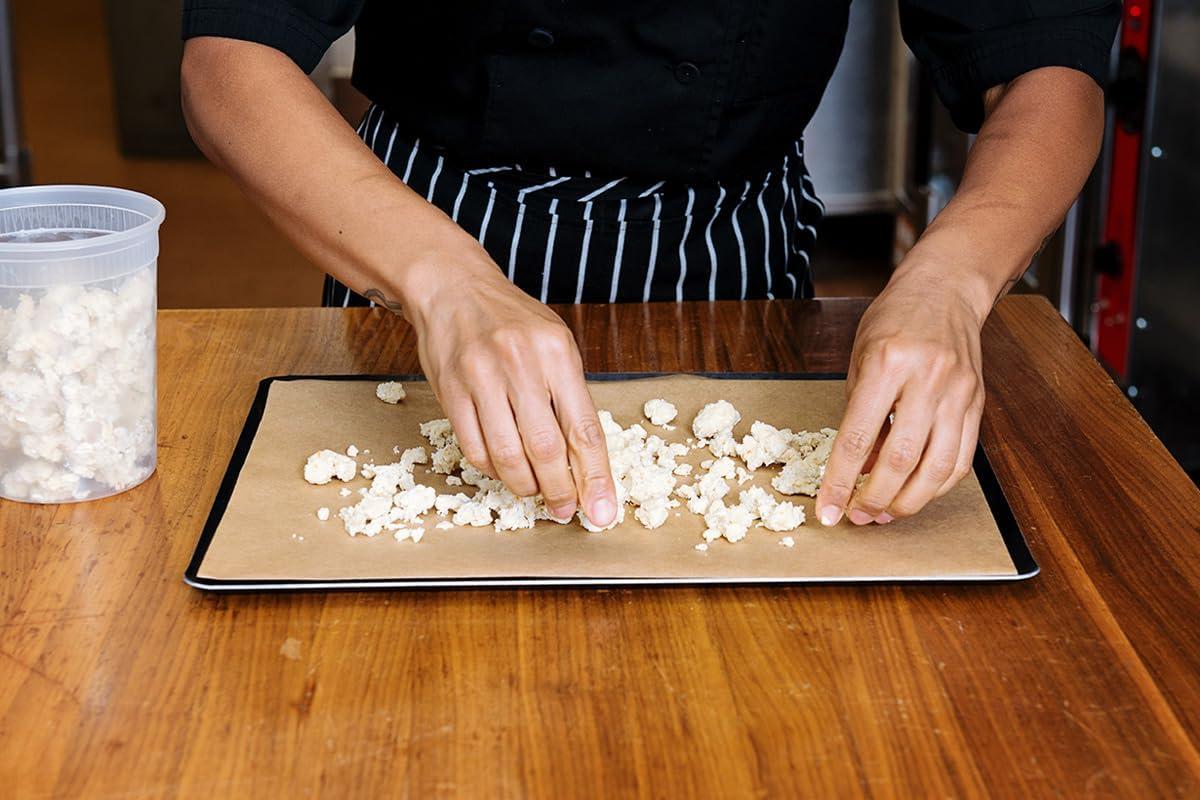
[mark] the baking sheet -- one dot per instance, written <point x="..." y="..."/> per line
<point x="263" y="532"/>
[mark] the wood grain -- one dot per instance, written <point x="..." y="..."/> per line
<point x="118" y="680"/>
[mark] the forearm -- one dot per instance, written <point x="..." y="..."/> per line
<point x="258" y="117"/>
<point x="1038" y="143"/>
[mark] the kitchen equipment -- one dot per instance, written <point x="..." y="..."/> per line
<point x="264" y="534"/>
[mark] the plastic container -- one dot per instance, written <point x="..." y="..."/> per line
<point x="78" y="302"/>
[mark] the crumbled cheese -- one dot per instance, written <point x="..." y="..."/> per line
<point x="322" y="513"/>
<point x="343" y="492"/>
<point x="802" y="474"/>
<point x="783" y="517"/>
<point x="352" y="451"/>
<point x="646" y="470"/>
<point x="652" y="516"/>
<point x="445" y="503"/>
<point x="729" y="522"/>
<point x="390" y="392"/>
<point x="413" y="534"/>
<point x="410" y="504"/>
<point x="765" y="445"/>
<point x="787" y="541"/>
<point x="702" y="546"/>
<point x="723" y="444"/>
<point x="715" y="419"/>
<point x="325" y="465"/>
<point x="659" y="411"/>
<point x="473" y="513"/>
<point x="77" y="396"/>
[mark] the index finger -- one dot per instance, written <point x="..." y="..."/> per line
<point x="586" y="448"/>
<point x="871" y="400"/>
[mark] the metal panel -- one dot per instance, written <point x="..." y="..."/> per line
<point x="12" y="157"/>
<point x="854" y="143"/>
<point x="1165" y="337"/>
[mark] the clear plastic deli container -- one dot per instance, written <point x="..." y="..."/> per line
<point x="77" y="360"/>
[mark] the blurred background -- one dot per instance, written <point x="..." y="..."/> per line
<point x="89" y="93"/>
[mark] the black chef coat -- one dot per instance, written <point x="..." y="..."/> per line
<point x="683" y="90"/>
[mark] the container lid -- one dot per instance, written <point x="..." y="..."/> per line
<point x="66" y="234"/>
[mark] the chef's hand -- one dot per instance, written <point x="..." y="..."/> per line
<point x="508" y="374"/>
<point x="916" y="354"/>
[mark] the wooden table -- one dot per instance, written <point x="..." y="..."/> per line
<point x="117" y="680"/>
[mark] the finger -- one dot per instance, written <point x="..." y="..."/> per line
<point x="966" y="451"/>
<point x="504" y="446"/>
<point x="936" y="467"/>
<point x="870" y="403"/>
<point x="884" y="429"/>
<point x="460" y="410"/>
<point x="586" y="448"/>
<point x="898" y="458"/>
<point x="545" y="448"/>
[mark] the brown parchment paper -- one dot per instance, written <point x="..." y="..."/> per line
<point x="270" y="530"/>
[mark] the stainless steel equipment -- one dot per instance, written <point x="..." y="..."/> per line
<point x="1164" y="338"/>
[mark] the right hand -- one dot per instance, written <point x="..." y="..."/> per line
<point x="506" y="370"/>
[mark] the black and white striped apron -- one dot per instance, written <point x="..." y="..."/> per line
<point x="579" y="238"/>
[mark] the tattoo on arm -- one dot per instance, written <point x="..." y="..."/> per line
<point x="1011" y="282"/>
<point x="381" y="299"/>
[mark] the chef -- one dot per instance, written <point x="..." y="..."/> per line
<point x="523" y="152"/>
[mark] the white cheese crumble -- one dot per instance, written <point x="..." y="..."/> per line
<point x="77" y="391"/>
<point x="715" y="419"/>
<point x="803" y="472"/>
<point x="322" y="513"/>
<point x="646" y="470"/>
<point x="390" y="392"/>
<point x="788" y="541"/>
<point x="660" y="412"/>
<point x="352" y="451"/>
<point x="325" y="465"/>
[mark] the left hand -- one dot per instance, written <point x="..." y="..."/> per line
<point x="916" y="355"/>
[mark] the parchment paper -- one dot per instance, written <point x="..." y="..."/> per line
<point x="270" y="530"/>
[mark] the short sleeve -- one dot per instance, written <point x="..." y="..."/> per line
<point x="969" y="47"/>
<point x="301" y="29"/>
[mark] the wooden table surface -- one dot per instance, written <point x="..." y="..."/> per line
<point x="117" y="680"/>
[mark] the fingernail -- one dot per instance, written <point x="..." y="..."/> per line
<point x="563" y="512"/>
<point x="830" y="515"/>
<point x="884" y="518"/>
<point x="858" y="516"/>
<point x="604" y="511"/>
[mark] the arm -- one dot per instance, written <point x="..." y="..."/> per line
<point x="917" y="349"/>
<point x="504" y="367"/>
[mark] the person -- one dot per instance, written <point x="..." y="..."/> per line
<point x="520" y="152"/>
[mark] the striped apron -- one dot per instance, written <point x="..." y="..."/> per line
<point x="583" y="239"/>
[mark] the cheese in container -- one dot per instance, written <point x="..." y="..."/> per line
<point x="78" y="301"/>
